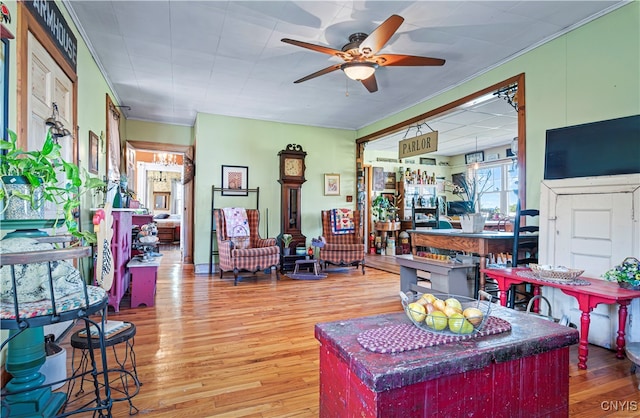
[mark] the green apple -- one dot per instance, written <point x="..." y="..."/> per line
<point x="459" y="325"/>
<point x="437" y="320"/>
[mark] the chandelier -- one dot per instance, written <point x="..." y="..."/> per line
<point x="164" y="158"/>
<point x="158" y="178"/>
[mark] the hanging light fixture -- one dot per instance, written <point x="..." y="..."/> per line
<point x="476" y="165"/>
<point x="159" y="178"/>
<point x="56" y="127"/>
<point x="359" y="70"/>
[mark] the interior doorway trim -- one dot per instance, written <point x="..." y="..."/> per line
<point x="187" y="211"/>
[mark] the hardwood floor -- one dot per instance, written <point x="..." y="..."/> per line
<point x="209" y="348"/>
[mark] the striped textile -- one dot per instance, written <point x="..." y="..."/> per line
<point x="342" y="249"/>
<point x="262" y="253"/>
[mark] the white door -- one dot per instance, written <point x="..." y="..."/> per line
<point x="592" y="232"/>
<point x="48" y="84"/>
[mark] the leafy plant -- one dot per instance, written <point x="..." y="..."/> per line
<point x="626" y="272"/>
<point x="286" y="240"/>
<point x="380" y="204"/>
<point x="42" y="168"/>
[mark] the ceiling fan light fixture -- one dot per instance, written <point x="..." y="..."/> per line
<point x="359" y="70"/>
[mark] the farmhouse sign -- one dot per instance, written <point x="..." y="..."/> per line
<point x="418" y="145"/>
<point x="49" y="16"/>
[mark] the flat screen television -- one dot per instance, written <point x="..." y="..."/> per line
<point x="602" y="148"/>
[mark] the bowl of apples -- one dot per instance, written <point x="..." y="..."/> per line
<point x="447" y="314"/>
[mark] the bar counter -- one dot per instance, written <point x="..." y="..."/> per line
<point x="521" y="372"/>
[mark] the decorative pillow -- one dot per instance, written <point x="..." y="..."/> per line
<point x="33" y="279"/>
<point x="240" y="243"/>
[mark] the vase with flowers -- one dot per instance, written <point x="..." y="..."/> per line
<point x="469" y="189"/>
<point x="626" y="274"/>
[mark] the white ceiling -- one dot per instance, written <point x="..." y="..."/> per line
<point x="168" y="60"/>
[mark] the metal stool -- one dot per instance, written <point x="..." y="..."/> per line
<point x="128" y="378"/>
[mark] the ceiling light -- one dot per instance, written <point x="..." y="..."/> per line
<point x="359" y="70"/>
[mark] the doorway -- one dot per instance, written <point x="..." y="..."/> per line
<point x="162" y="168"/>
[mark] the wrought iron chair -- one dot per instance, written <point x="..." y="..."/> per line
<point x="259" y="254"/>
<point x="344" y="246"/>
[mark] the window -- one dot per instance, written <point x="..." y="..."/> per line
<point x="502" y="194"/>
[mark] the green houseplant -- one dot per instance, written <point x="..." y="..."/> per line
<point x="626" y="274"/>
<point x="41" y="171"/>
<point x="380" y="205"/>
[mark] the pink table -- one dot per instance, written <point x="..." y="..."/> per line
<point x="143" y="282"/>
<point x="588" y="297"/>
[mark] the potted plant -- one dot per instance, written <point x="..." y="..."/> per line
<point x="380" y="205"/>
<point x="38" y="174"/>
<point x="626" y="274"/>
<point x="286" y="241"/>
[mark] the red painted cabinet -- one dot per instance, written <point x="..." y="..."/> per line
<point x="523" y="372"/>
<point x="121" y="249"/>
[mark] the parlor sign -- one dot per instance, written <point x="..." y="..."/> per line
<point x="418" y="145"/>
<point x="49" y="16"/>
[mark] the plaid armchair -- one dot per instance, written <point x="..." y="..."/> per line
<point x="260" y="254"/>
<point x="342" y="249"/>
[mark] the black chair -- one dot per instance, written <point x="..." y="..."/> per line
<point x="525" y="251"/>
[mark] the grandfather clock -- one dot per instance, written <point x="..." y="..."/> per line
<point x="291" y="178"/>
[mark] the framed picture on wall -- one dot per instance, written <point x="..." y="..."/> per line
<point x="332" y="184"/>
<point x="474" y="157"/>
<point x="235" y="180"/>
<point x="94" y="143"/>
<point x="390" y="180"/>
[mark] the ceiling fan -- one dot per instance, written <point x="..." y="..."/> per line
<point x="359" y="55"/>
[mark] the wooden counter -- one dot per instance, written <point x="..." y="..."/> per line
<point x="523" y="372"/>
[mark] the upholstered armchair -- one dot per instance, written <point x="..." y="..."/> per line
<point x="344" y="244"/>
<point x="251" y="254"/>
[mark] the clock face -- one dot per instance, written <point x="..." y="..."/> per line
<point x="292" y="167"/>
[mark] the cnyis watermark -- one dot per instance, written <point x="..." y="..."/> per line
<point x="630" y="406"/>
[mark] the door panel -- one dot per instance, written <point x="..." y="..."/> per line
<point x="593" y="232"/>
<point x="47" y="84"/>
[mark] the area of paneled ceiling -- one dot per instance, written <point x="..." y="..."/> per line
<point x="166" y="61"/>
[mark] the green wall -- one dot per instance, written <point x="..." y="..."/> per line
<point x="222" y="140"/>
<point x="591" y="73"/>
<point x="137" y="130"/>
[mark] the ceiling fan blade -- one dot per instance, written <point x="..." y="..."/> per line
<point x="376" y="40"/>
<point x="385" y="60"/>
<point x="319" y="73"/>
<point x="370" y="83"/>
<point x="313" y="47"/>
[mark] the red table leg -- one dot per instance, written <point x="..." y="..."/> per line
<point x="583" y="346"/>
<point x="536" y="303"/>
<point x="622" y="321"/>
